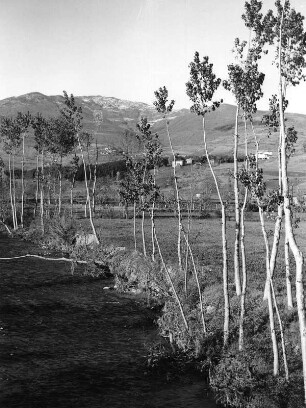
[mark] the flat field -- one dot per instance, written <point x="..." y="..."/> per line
<point x="205" y="240"/>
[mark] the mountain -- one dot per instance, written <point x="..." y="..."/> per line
<point x="108" y="118"/>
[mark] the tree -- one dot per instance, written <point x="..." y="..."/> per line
<point x="201" y="88"/>
<point x="86" y="140"/>
<point x="72" y="171"/>
<point x="289" y="39"/>
<point x="73" y="115"/>
<point x="245" y="82"/>
<point x="130" y="188"/>
<point x="23" y="122"/>
<point x="161" y="106"/>
<point x="283" y="29"/>
<point x="151" y="159"/>
<point x="61" y="142"/>
<point x="10" y="133"/>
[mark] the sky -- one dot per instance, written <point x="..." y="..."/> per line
<point x="123" y="48"/>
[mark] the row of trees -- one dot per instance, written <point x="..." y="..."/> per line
<point x="282" y="32"/>
<point x="55" y="139"/>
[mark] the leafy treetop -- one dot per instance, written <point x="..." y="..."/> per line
<point x="202" y="85"/>
<point x="161" y="101"/>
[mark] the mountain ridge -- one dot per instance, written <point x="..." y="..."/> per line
<point x="108" y="118"/>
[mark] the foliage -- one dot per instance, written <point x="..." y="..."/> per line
<point x="11" y="134"/>
<point x="202" y="85"/>
<point x="60" y="233"/>
<point x="61" y="138"/>
<point x="271" y="120"/>
<point x="245" y="80"/>
<point x="161" y="101"/>
<point x="134" y="270"/>
<point x="41" y="128"/>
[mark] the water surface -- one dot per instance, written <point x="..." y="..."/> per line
<point x="67" y="342"/>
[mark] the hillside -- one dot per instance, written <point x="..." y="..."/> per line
<point x="107" y="119"/>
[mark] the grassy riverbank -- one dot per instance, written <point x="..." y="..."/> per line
<point x="241" y="379"/>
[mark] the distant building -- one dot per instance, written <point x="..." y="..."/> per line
<point x="178" y="163"/>
<point x="264" y="155"/>
<point x="189" y="160"/>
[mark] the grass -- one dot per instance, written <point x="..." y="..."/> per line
<point x="205" y="234"/>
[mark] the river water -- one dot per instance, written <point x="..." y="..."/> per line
<point x="67" y="342"/>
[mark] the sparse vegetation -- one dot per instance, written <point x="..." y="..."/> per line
<point x="203" y="252"/>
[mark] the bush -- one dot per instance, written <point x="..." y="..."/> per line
<point x="134" y="270"/>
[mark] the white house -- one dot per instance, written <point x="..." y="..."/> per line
<point x="264" y="155"/>
<point x="178" y="163"/>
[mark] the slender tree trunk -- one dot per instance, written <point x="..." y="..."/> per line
<point x="171" y="283"/>
<point x="87" y="192"/>
<point x="225" y="280"/>
<point x="14" y="193"/>
<point x="242" y="248"/>
<point x="278" y="222"/>
<point x="22" y="183"/>
<point x="297" y="253"/>
<point x="269" y="294"/>
<point x="71" y="201"/>
<point x="197" y="281"/>
<point x="143" y="213"/>
<point x="288" y="275"/>
<point x="37" y="185"/>
<point x="152" y="231"/>
<point x="275" y="245"/>
<point x="134" y="224"/>
<point x="237" y="210"/>
<point x="60" y="189"/>
<point x="224" y="247"/>
<point x="85" y="207"/>
<point x="152" y="216"/>
<point x="42" y="192"/>
<point x="11" y="193"/>
<point x="95" y="181"/>
<point x="143" y="233"/>
<point x="281" y="331"/>
<point x="178" y="201"/>
<point x="187" y="243"/>
<point x="244" y="275"/>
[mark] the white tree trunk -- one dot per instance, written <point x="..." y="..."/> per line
<point x="244" y="275"/>
<point x="87" y="192"/>
<point x="178" y="201"/>
<point x="198" y="283"/>
<point x="22" y="183"/>
<point x="143" y="234"/>
<point x="11" y="194"/>
<point x="297" y="253"/>
<point x="269" y="295"/>
<point x="237" y="210"/>
<point x="14" y="193"/>
<point x="288" y="275"/>
<point x="134" y="224"/>
<point x="224" y="246"/>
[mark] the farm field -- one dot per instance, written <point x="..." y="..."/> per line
<point x="205" y="237"/>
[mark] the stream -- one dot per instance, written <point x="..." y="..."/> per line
<point x="65" y="341"/>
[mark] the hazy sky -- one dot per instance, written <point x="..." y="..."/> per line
<point x="121" y="48"/>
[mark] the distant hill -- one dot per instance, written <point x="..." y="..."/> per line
<point x="107" y="119"/>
